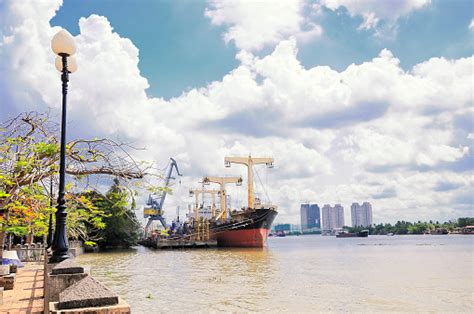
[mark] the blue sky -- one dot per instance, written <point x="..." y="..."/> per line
<point x="180" y="49"/>
<point x="356" y="100"/>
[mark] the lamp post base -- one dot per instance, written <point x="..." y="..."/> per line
<point x="59" y="258"/>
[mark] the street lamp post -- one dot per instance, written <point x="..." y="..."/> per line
<point x="63" y="46"/>
<point x="49" y="240"/>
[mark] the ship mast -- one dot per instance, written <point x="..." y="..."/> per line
<point x="249" y="162"/>
<point x="196" y="193"/>
<point x="222" y="181"/>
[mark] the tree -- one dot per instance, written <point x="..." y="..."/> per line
<point x="28" y="213"/>
<point x="29" y="153"/>
<point x="465" y="221"/>
<point x="418" y="228"/>
<point x="123" y="229"/>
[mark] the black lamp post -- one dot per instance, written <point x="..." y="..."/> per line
<point x="62" y="45"/>
<point x="49" y="240"/>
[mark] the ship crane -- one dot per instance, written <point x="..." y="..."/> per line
<point x="156" y="210"/>
<point x="249" y="162"/>
<point x="197" y="192"/>
<point x="222" y="181"/>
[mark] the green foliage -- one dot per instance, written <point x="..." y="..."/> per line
<point x="28" y="212"/>
<point x="122" y="228"/>
<point x="89" y="243"/>
<point x="84" y="218"/>
<point x="406" y="227"/>
<point x="46" y="149"/>
<point x="17" y="230"/>
<point x="29" y="155"/>
<point x="465" y="221"/>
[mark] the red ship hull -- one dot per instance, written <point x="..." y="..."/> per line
<point x="252" y="231"/>
<point x="243" y="238"/>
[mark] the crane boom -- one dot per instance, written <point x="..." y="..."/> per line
<point x="222" y="181"/>
<point x="174" y="165"/>
<point x="156" y="212"/>
<point x="249" y="162"/>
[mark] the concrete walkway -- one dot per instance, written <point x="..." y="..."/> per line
<point x="27" y="295"/>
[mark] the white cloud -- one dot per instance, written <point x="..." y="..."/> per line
<point x="471" y="25"/>
<point x="255" y="24"/>
<point x="359" y="134"/>
<point x="373" y="11"/>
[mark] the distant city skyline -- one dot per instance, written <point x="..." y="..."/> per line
<point x="333" y="217"/>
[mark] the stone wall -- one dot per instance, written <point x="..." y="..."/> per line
<point x="69" y="288"/>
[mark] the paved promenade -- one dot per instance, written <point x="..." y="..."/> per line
<point x="27" y="295"/>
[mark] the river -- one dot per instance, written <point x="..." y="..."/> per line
<point x="297" y="274"/>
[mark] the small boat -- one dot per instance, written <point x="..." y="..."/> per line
<point x="280" y="234"/>
<point x="390" y="234"/>
<point x="363" y="233"/>
<point x="360" y="234"/>
<point x="439" y="231"/>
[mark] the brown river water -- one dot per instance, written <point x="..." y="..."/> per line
<point x="426" y="273"/>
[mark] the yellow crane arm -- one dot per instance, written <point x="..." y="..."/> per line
<point x="237" y="160"/>
<point x="249" y="162"/>
<point x="262" y="160"/>
<point x="222" y="180"/>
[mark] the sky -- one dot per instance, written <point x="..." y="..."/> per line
<point x="355" y="100"/>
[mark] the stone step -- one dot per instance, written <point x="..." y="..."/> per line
<point x="8" y="281"/>
<point x="4" y="270"/>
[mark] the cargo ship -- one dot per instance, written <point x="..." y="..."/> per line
<point x="250" y="226"/>
<point x="247" y="227"/>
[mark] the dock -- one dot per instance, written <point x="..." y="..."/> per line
<point x="28" y="292"/>
<point x="178" y="243"/>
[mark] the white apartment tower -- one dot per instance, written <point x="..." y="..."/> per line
<point x="333" y="217"/>
<point x="361" y="214"/>
<point x="339" y="216"/>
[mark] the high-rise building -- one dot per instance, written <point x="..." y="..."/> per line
<point x="361" y="215"/>
<point x="333" y="217"/>
<point x="310" y="217"/>
<point x="326" y="212"/>
<point x="338" y="216"/>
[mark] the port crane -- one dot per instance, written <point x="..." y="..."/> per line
<point x="197" y="192"/>
<point x="222" y="181"/>
<point x="249" y="162"/>
<point x="155" y="212"/>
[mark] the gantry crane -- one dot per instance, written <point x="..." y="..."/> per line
<point x="249" y="162"/>
<point x="197" y="192"/>
<point x="222" y="181"/>
<point x="156" y="203"/>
